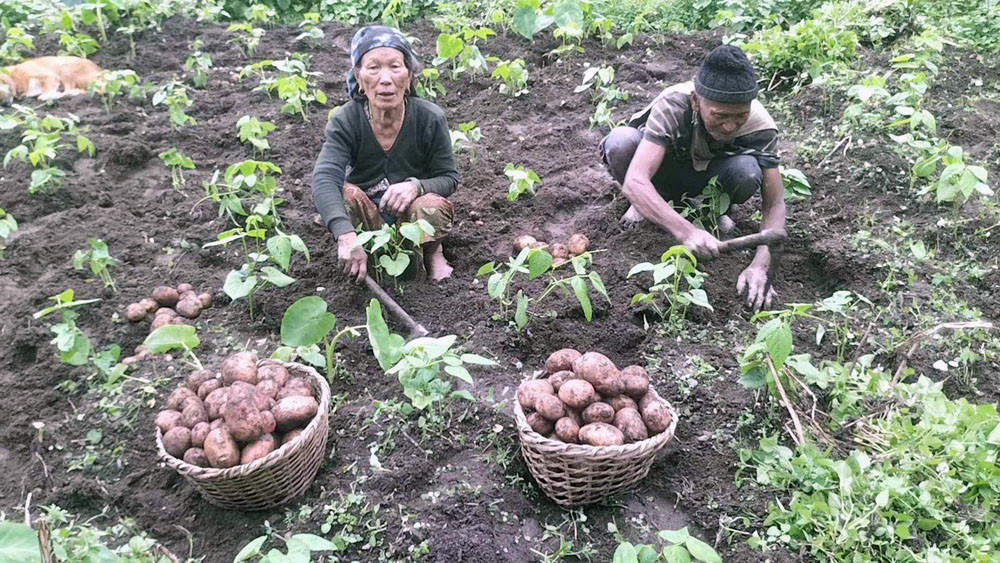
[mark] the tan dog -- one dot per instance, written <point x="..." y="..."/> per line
<point x="42" y="77"/>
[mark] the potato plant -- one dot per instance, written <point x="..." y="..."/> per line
<point x="246" y="37"/>
<point x="73" y="345"/>
<point x="8" y="225"/>
<point x="429" y="84"/>
<point x="522" y="180"/>
<point x="680" y="546"/>
<point x="461" y="51"/>
<point x="17" y="42"/>
<point x="255" y="132"/>
<point x="676" y="285"/>
<point x="177" y="162"/>
<point x="305" y="325"/>
<point x="312" y="34"/>
<point x="512" y="75"/>
<point x="599" y="82"/>
<point x="466" y="138"/>
<point x="293" y="84"/>
<point x="41" y="142"/>
<point x="198" y="64"/>
<point x="115" y="83"/>
<point x="392" y="246"/>
<point x="98" y="259"/>
<point x="173" y="94"/>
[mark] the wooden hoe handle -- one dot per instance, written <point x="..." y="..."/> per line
<point x="416" y="329"/>
<point x="769" y="237"/>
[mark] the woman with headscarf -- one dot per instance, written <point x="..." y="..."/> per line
<point x="387" y="155"/>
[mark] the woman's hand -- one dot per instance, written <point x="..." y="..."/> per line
<point x="398" y="197"/>
<point x="759" y="291"/>
<point x="352" y="257"/>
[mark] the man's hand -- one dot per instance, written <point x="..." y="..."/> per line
<point x="398" y="197"/>
<point x="701" y="243"/>
<point x="759" y="292"/>
<point x="352" y="257"/>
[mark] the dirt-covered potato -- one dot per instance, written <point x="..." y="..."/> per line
<point x="599" y="412"/>
<point x="149" y="304"/>
<point x="296" y="387"/>
<point x="196" y="456"/>
<point x="575" y="416"/>
<point x="215" y="402"/>
<point x="529" y="391"/>
<point x="524" y="241"/>
<point x="206" y="388"/>
<point x="568" y="430"/>
<point x="241" y="366"/>
<point x="184" y="287"/>
<point x="600" y="372"/>
<point x="620" y="402"/>
<point x="635" y="381"/>
<point x="291" y="436"/>
<point x="577" y="394"/>
<point x="268" y="388"/>
<point x="262" y="401"/>
<point x="258" y="449"/>
<point x="560" y="251"/>
<point x="205" y="299"/>
<point x="540" y="424"/>
<point x="196" y="378"/>
<point x="578" y="244"/>
<point x="560" y="377"/>
<point x="601" y="434"/>
<point x="656" y="416"/>
<point x="166" y="296"/>
<point x="178" y="396"/>
<point x="199" y="432"/>
<point x="646" y="400"/>
<point x="189" y="307"/>
<point x="165" y="420"/>
<point x="217" y="423"/>
<point x="243" y="418"/>
<point x="221" y="449"/>
<point x="273" y="372"/>
<point x="270" y="425"/>
<point x="135" y="312"/>
<point x="165" y="311"/>
<point x="194" y="412"/>
<point x="176" y="441"/>
<point x="629" y="421"/>
<point x="160" y="320"/>
<point x="561" y="360"/>
<point x="550" y="407"/>
<point x="294" y="412"/>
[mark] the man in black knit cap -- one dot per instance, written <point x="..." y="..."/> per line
<point x="710" y="127"/>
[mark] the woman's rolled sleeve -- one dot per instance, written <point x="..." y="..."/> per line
<point x="328" y="175"/>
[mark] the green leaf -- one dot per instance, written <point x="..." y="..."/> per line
<point x="170" y="337"/>
<point x="598" y="283"/>
<point x="580" y="289"/>
<point x="702" y="551"/>
<point x="460" y="372"/>
<point x="487" y="268"/>
<point x="449" y="46"/>
<point x="777" y="338"/>
<point x="647" y="554"/>
<point x="79" y="353"/>
<point x="994" y="437"/>
<point x="477" y="360"/>
<point x="386" y="346"/>
<point x="675" y="536"/>
<point x="394" y="268"/>
<point x="236" y="287"/>
<point x="280" y="249"/>
<point x="676" y="554"/>
<point x="314" y="542"/>
<point x="568" y="12"/>
<point x="625" y="554"/>
<point x="19" y="543"/>
<point x="276" y="277"/>
<point x="539" y="262"/>
<point x="307" y="322"/>
<point x="521" y="313"/>
<point x="411" y="232"/>
<point x="524" y="20"/>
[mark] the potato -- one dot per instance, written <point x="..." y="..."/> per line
<point x="620" y="402"/>
<point x="166" y="296"/>
<point x="184" y="287"/>
<point x="274" y="372"/>
<point x="194" y="412"/>
<point x="165" y="311"/>
<point x="268" y="388"/>
<point x="550" y="407"/>
<point x="188" y="295"/>
<point x="135" y="313"/>
<point x="205" y="299"/>
<point x="568" y="430"/>
<point x="177" y="398"/>
<point x="291" y="436"/>
<point x="529" y="391"/>
<point x="243" y="418"/>
<point x="176" y="441"/>
<point x="540" y="424"/>
<point x="196" y="378"/>
<point x="241" y="366"/>
<point x="206" y="388"/>
<point x="160" y="320"/>
<point x="599" y="412"/>
<point x="635" y="381"/>
<point x="559" y="252"/>
<point x="189" y="307"/>
<point x="629" y="421"/>
<point x="199" y="432"/>
<point x="165" y="420"/>
<point x="578" y="244"/>
<point x="600" y="372"/>
<point x="215" y="402"/>
<point x="646" y="400"/>
<point x="150" y="305"/>
<point x="601" y="434"/>
<point x="217" y="423"/>
<point x="656" y="416"/>
<point x="561" y="360"/>
<point x="258" y="449"/>
<point x="575" y="416"/>
<point x="177" y="320"/>
<point x="577" y="393"/>
<point x="294" y="412"/>
<point x="221" y="449"/>
<point x="262" y="401"/>
<point x="524" y="241"/>
<point x="196" y="456"/>
<point x="270" y="425"/>
<point x="560" y="377"/>
<point x="296" y="387"/>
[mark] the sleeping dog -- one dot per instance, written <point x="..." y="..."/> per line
<point x="47" y="78"/>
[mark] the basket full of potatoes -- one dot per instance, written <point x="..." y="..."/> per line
<point x="589" y="430"/>
<point x="250" y="437"/>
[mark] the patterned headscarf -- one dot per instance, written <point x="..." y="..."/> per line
<point x="373" y="37"/>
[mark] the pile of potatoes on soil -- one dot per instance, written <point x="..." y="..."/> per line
<point x="237" y="416"/>
<point x="169" y="305"/>
<point x="586" y="400"/>
<point x="576" y="245"/>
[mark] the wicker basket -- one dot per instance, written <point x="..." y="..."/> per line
<point x="575" y="474"/>
<point x="273" y="479"/>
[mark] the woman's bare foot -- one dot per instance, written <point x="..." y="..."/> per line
<point x="437" y="265"/>
<point x="632" y="217"/>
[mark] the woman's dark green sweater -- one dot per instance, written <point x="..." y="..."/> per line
<point x="352" y="153"/>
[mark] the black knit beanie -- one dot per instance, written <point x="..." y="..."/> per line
<point x="726" y="76"/>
